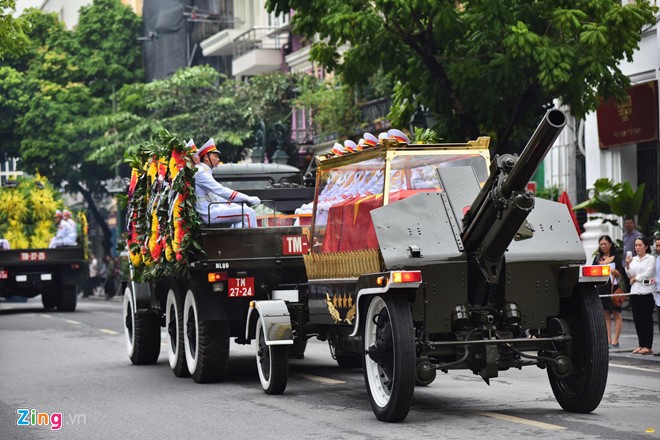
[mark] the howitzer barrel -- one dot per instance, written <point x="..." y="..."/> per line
<point x="535" y="151"/>
<point x="487" y="227"/>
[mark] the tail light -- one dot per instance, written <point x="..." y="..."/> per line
<point x="595" y="271"/>
<point x="411" y="276"/>
<point x="214" y="277"/>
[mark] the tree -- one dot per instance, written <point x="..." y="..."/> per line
<point x="62" y="79"/>
<point x="480" y="66"/>
<point x="12" y="31"/>
<point x="196" y="102"/>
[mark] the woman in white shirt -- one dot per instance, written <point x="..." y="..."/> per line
<point x="641" y="271"/>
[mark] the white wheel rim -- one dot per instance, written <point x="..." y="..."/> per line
<point x="129" y="334"/>
<point x="190" y="305"/>
<point x="172" y="315"/>
<point x="379" y="392"/>
<point x="265" y="383"/>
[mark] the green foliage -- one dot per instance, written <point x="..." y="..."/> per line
<point x="480" y="66"/>
<point x="425" y="136"/>
<point x="12" y="30"/>
<point x="549" y="193"/>
<point x="618" y="199"/>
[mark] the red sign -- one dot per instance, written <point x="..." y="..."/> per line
<point x="33" y="256"/>
<point x="295" y="245"/>
<point x="241" y="287"/>
<point x="631" y="121"/>
<point x="531" y="186"/>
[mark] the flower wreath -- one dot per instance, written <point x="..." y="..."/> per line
<point x="161" y="219"/>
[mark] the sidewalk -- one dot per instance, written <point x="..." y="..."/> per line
<point x="628" y="342"/>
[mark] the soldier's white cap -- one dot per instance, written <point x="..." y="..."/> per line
<point x="66" y="213"/>
<point x="350" y="146"/>
<point x="398" y="135"/>
<point x="193" y="147"/>
<point x="58" y="213"/>
<point x="208" y="147"/>
<point x="370" y="140"/>
<point x="382" y="136"/>
<point x="338" y="149"/>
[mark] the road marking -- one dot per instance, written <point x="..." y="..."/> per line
<point x="520" y="420"/>
<point x="71" y="321"/>
<point x="325" y="380"/>
<point x="43" y="315"/>
<point x="108" y="331"/>
<point x="630" y="367"/>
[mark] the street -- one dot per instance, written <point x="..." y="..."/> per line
<point x="76" y="364"/>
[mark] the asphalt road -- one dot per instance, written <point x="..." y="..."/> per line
<point x="75" y="364"/>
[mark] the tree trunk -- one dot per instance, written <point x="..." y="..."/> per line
<point x="87" y="195"/>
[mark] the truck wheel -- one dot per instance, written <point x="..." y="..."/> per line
<point x="389" y="361"/>
<point x="582" y="389"/>
<point x="48" y="300"/>
<point x="272" y="363"/>
<point x="206" y="343"/>
<point x="142" y="332"/>
<point x="68" y="299"/>
<point x="176" y="353"/>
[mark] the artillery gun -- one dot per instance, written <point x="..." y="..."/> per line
<point x="448" y="262"/>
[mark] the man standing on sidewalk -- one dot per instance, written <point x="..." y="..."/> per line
<point x="657" y="284"/>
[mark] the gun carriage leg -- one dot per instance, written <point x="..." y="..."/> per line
<point x="142" y="332"/>
<point x="389" y="361"/>
<point x="176" y="354"/>
<point x="272" y="363"/>
<point x="206" y="342"/>
<point x="582" y="389"/>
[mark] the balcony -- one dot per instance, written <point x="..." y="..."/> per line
<point x="257" y="51"/>
<point x="220" y="44"/>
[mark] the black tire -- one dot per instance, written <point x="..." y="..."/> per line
<point x="206" y="343"/>
<point x="48" y="300"/>
<point x="272" y="363"/>
<point x="389" y="365"/>
<point x="176" y="353"/>
<point x="142" y="333"/>
<point x="581" y="391"/>
<point x="68" y="299"/>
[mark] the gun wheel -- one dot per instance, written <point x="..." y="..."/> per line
<point x="389" y="361"/>
<point x="272" y="363"/>
<point x="582" y="389"/>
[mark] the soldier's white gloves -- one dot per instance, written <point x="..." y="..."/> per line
<point x="253" y="201"/>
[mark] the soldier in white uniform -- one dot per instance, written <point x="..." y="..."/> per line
<point x="73" y="227"/>
<point x="209" y="192"/>
<point x="63" y="234"/>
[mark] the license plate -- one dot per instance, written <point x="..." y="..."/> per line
<point x="241" y="287"/>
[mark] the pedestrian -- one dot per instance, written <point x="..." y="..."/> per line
<point x="111" y="277"/>
<point x="93" y="275"/>
<point x="607" y="255"/>
<point x="630" y="232"/>
<point x="641" y="272"/>
<point x="657" y="283"/>
<point x="219" y="203"/>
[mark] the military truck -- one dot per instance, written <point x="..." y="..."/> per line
<point x="244" y="285"/>
<point x="441" y="259"/>
<point x="55" y="274"/>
